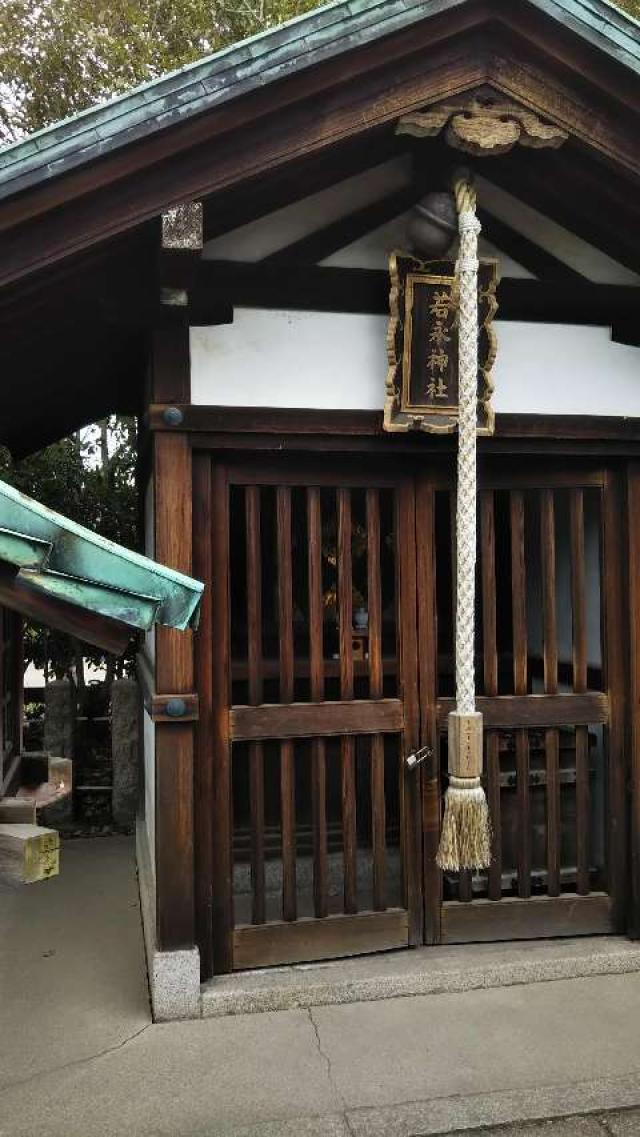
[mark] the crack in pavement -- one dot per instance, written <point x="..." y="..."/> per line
<point x="74" y="1062"/>
<point x="332" y="1082"/>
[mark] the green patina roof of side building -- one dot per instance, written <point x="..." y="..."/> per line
<point x="64" y="560"/>
<point x="254" y="63"/>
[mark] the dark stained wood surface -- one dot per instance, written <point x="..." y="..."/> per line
<point x="255" y="689"/>
<point x="407" y="618"/>
<point x="490" y="676"/>
<point x="222" y="895"/>
<point x="203" y="750"/>
<point x="633" y="569"/>
<point x="353" y="423"/>
<point x="329" y="289"/>
<point x="347" y="745"/>
<point x="374" y="606"/>
<point x="615" y="639"/>
<point x="523" y="919"/>
<point x="287" y="757"/>
<point x="579" y="614"/>
<point x="304" y="720"/>
<point x="174" y="743"/>
<point x="429" y="772"/>
<point x="268" y="945"/>
<point x="550" y="655"/>
<point x="509" y="711"/>
<point x="88" y="627"/>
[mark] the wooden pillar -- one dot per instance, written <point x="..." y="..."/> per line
<point x="170" y="383"/>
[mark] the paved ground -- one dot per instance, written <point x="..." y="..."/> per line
<point x="621" y="1124"/>
<point x="79" y="1056"/>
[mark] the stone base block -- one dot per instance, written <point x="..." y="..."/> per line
<point x="174" y="978"/>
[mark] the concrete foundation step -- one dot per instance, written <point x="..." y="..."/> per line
<point x="418" y="971"/>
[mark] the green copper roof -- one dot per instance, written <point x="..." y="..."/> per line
<point x="308" y="40"/>
<point x="65" y="560"/>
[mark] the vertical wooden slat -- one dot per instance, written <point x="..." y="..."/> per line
<point x="579" y="614"/>
<point x="222" y="894"/>
<point x="316" y="628"/>
<point x="550" y="654"/>
<point x="428" y="663"/>
<point x="615" y="643"/>
<point x="374" y="602"/>
<point x="347" y="746"/>
<point x="490" y="664"/>
<point x="287" y="772"/>
<point x="518" y="593"/>
<point x="519" y="616"/>
<point x="254" y="652"/>
<point x="316" y="669"/>
<point x="633" y="562"/>
<point x="203" y="756"/>
<point x="406" y="599"/>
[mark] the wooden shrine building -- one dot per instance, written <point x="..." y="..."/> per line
<point x="211" y="252"/>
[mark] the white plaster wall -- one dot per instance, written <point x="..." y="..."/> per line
<point x="331" y="360"/>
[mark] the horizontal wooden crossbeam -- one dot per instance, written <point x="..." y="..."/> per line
<point x="266" y="945"/>
<point x="510" y="711"/>
<point x="367" y="290"/>
<point x="307" y="720"/>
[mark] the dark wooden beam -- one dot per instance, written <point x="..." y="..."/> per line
<point x="367" y="290"/>
<point x="276" y="188"/>
<point x="560" y="191"/>
<point x="353" y="423"/>
<point x="88" y="627"/>
<point x="535" y="259"/>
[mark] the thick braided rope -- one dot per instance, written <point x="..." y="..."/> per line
<point x="467" y="268"/>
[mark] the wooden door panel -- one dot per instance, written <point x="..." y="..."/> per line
<point x="320" y="708"/>
<point x="548" y="676"/>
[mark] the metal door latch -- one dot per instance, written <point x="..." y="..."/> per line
<point x="418" y="756"/>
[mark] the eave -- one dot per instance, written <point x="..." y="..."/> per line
<point x="50" y="564"/>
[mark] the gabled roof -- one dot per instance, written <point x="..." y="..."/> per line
<point x="261" y="60"/>
<point x="262" y="125"/>
<point x="61" y="560"/>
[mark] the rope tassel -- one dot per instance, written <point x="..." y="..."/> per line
<point x="465" y="841"/>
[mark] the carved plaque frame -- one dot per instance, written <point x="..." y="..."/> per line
<point x="413" y="282"/>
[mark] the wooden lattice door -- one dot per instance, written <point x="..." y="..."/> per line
<point x="550" y="652"/>
<point x="308" y="709"/>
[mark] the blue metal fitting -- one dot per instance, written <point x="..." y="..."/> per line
<point x="172" y="416"/>
<point x="175" y="708"/>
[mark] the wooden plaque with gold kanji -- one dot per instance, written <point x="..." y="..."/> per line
<point x="422" y="345"/>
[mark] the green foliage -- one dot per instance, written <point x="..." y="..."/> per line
<point x="632" y="7"/>
<point x="59" y="56"/>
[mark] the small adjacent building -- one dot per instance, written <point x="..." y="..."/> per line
<point x="211" y="251"/>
